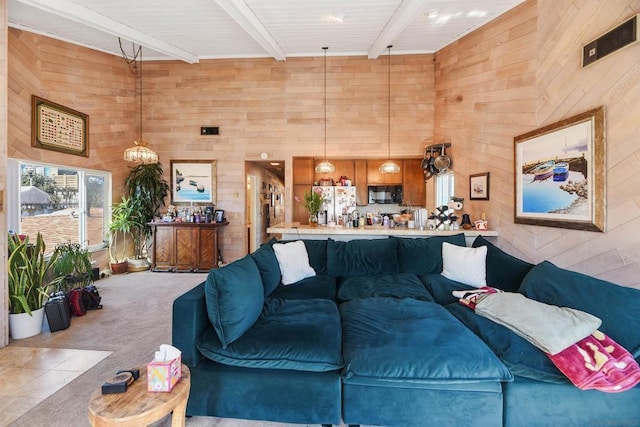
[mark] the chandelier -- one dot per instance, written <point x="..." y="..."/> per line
<point x="325" y="166"/>
<point x="389" y="166"/>
<point x="139" y="153"/>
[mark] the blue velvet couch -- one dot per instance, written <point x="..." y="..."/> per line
<point x="376" y="338"/>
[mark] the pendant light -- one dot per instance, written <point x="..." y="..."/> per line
<point x="325" y="166"/>
<point x="389" y="166"/>
<point x="139" y="153"/>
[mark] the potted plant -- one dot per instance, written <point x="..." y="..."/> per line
<point x="146" y="186"/>
<point x="313" y="201"/>
<point x="28" y="277"/>
<point x="73" y="265"/>
<point x="124" y="220"/>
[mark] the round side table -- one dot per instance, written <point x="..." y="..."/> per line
<point x="138" y="407"/>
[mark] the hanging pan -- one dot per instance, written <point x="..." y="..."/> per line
<point x="429" y="170"/>
<point x="442" y="162"/>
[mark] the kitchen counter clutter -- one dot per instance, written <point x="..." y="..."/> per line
<point x="294" y="230"/>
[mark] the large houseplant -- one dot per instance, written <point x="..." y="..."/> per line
<point x="73" y="265"/>
<point x="29" y="279"/>
<point x="146" y="187"/>
<point x="124" y="221"/>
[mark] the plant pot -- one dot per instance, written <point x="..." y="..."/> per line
<point x="119" y="267"/>
<point x="138" y="265"/>
<point x="23" y="325"/>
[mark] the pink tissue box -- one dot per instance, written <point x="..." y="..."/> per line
<point x="162" y="376"/>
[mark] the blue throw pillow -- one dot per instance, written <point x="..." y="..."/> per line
<point x="267" y="263"/>
<point x="362" y="257"/>
<point x="424" y="255"/>
<point x="504" y="271"/>
<point x="234" y="296"/>
<point x="617" y="306"/>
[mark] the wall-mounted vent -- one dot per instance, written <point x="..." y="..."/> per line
<point x="623" y="35"/>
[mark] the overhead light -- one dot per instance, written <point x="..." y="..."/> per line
<point x="325" y="166"/>
<point x="339" y="17"/>
<point x="477" y="14"/>
<point x="139" y="153"/>
<point x="389" y="166"/>
<point x="432" y="14"/>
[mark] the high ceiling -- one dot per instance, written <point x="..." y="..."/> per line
<point x="192" y="30"/>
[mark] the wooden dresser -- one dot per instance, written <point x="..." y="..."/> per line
<point x="185" y="246"/>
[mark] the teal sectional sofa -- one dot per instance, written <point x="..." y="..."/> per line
<point x="375" y="337"/>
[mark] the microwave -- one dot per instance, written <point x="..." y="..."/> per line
<point x="385" y="194"/>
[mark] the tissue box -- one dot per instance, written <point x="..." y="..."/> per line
<point x="162" y="376"/>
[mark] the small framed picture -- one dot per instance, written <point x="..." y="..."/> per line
<point x="479" y="186"/>
<point x="218" y="216"/>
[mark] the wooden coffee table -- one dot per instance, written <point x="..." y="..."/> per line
<point x="137" y="406"/>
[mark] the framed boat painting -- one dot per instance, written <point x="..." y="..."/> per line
<point x="193" y="181"/>
<point x="560" y="174"/>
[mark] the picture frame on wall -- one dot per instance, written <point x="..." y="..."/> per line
<point x="193" y="181"/>
<point x="479" y="186"/>
<point x="59" y="128"/>
<point x="560" y="174"/>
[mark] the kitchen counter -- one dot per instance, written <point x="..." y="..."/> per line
<point x="292" y="231"/>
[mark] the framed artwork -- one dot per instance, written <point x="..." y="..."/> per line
<point x="58" y="128"/>
<point x="560" y="174"/>
<point x="218" y="216"/>
<point x="479" y="186"/>
<point x="193" y="181"/>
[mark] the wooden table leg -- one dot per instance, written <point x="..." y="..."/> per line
<point x="179" y="413"/>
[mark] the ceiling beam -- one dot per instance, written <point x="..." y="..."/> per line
<point x="244" y="16"/>
<point x="403" y="15"/>
<point x="69" y="10"/>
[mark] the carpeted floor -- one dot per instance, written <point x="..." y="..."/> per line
<point x="135" y="320"/>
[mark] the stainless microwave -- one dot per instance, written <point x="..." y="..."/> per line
<point x="385" y="194"/>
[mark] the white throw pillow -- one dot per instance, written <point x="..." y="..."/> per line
<point x="465" y="265"/>
<point x="293" y="260"/>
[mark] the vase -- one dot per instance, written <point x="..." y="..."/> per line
<point x="23" y="325"/>
<point x="313" y="220"/>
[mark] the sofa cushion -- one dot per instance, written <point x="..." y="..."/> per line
<point x="406" y="342"/>
<point x="320" y="286"/>
<point x="293" y="261"/>
<point x="399" y="285"/>
<point x="302" y="335"/>
<point x="424" y="255"/>
<point x="234" y="295"/>
<point x="504" y="271"/>
<point x="520" y="356"/>
<point x="362" y="257"/>
<point x="440" y="288"/>
<point x="465" y="265"/>
<point x="267" y="263"/>
<point x="617" y="306"/>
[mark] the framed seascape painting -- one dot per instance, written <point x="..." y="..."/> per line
<point x="560" y="174"/>
<point x="479" y="186"/>
<point x="193" y="181"/>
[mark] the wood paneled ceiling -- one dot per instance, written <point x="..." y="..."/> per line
<point x="192" y="30"/>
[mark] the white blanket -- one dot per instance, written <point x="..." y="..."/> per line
<point x="548" y="327"/>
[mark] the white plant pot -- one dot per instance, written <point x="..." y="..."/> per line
<point x="24" y="326"/>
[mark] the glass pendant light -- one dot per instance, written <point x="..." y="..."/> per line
<point x="325" y="166"/>
<point x="389" y="166"/>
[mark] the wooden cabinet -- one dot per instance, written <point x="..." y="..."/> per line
<point x="414" y="189"/>
<point x="374" y="177"/>
<point x="343" y="168"/>
<point x="181" y="246"/>
<point x="360" y="181"/>
<point x="303" y="170"/>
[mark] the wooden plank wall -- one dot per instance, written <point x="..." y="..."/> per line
<point x="520" y="72"/>
<point x="4" y="308"/>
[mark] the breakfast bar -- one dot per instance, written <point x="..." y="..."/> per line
<point x="294" y="230"/>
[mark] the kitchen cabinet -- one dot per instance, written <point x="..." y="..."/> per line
<point x="374" y="177"/>
<point x="360" y="181"/>
<point x="414" y="189"/>
<point x="343" y="168"/>
<point x="185" y="246"/>
<point x="300" y="214"/>
<point x="303" y="170"/>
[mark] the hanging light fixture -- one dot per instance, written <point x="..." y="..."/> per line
<point x="139" y="153"/>
<point x="325" y="166"/>
<point x="389" y="166"/>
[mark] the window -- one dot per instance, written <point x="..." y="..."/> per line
<point x="445" y="188"/>
<point x="63" y="203"/>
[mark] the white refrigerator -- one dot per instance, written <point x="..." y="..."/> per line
<point x="337" y="201"/>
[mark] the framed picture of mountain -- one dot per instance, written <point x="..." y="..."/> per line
<point x="560" y="174"/>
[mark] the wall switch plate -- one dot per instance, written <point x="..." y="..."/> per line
<point x="209" y="130"/>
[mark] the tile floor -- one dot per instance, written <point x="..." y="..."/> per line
<point x="30" y="375"/>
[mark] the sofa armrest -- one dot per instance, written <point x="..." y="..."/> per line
<point x="190" y="319"/>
